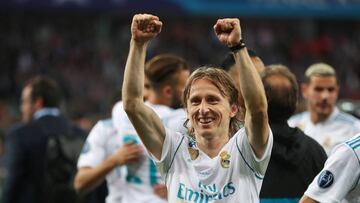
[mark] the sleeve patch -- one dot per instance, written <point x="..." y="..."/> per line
<point x="325" y="179"/>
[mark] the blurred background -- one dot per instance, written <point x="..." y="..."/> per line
<point x="83" y="44"/>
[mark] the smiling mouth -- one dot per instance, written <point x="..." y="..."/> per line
<point x="205" y="121"/>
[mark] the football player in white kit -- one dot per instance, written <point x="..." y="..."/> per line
<point x="106" y="151"/>
<point x="324" y="121"/>
<point x="339" y="179"/>
<point x="102" y="156"/>
<point x="216" y="162"/>
<point x="138" y="181"/>
<point x="167" y="75"/>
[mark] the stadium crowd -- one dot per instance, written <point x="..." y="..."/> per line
<point x="87" y="53"/>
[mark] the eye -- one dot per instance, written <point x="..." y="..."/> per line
<point x="195" y="101"/>
<point x="331" y="89"/>
<point x="318" y="89"/>
<point x="213" y="99"/>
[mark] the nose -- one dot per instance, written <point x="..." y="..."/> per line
<point x="325" y="94"/>
<point x="204" y="108"/>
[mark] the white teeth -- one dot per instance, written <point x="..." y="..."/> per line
<point x="205" y="120"/>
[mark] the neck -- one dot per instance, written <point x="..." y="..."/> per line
<point x="155" y="99"/>
<point x="211" y="145"/>
<point x="318" y="118"/>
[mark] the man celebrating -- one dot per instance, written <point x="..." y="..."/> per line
<point x="215" y="161"/>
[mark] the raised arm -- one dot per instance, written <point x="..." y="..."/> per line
<point x="148" y="125"/>
<point x="256" y="120"/>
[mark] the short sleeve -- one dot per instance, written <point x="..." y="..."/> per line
<point x="170" y="148"/>
<point x="259" y="165"/>
<point x="338" y="177"/>
<point x="93" y="152"/>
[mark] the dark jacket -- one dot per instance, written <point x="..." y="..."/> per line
<point x="25" y="158"/>
<point x="295" y="161"/>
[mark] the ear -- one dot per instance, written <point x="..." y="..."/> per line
<point x="233" y="110"/>
<point x="39" y="103"/>
<point x="167" y="91"/>
<point x="304" y="89"/>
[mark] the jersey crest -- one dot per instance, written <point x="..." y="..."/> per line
<point x="225" y="159"/>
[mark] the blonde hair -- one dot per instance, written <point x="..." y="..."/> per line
<point x="319" y="69"/>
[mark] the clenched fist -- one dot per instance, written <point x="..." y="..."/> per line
<point x="145" y="27"/>
<point x="228" y="31"/>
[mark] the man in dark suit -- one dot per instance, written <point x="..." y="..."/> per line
<point x="27" y="143"/>
<point x="295" y="158"/>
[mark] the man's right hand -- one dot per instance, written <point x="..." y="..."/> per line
<point x="145" y="27"/>
<point x="128" y="153"/>
<point x="228" y="31"/>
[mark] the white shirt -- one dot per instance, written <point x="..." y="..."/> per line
<point x="46" y="112"/>
<point x="176" y="121"/>
<point x="142" y="176"/>
<point x="338" y="128"/>
<point x="235" y="175"/>
<point x="102" y="142"/>
<point x="339" y="180"/>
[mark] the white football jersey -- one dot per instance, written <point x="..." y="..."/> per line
<point x="117" y="114"/>
<point x="338" y="128"/>
<point x="142" y="176"/>
<point x="176" y="121"/>
<point x="339" y="180"/>
<point x="102" y="142"/>
<point x="235" y="175"/>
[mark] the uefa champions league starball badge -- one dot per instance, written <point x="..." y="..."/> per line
<point x="225" y="159"/>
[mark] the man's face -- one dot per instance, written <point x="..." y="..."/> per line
<point x="176" y="100"/>
<point x="27" y="105"/>
<point x="321" y="94"/>
<point x="208" y="110"/>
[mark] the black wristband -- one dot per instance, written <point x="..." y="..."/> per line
<point x="238" y="47"/>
